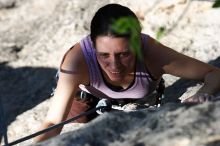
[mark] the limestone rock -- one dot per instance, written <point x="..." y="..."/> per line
<point x="35" y="34"/>
<point x="171" y="124"/>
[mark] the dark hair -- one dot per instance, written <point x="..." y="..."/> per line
<point x="101" y="23"/>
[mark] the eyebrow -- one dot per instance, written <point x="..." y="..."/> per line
<point x="116" y="53"/>
<point x="102" y="52"/>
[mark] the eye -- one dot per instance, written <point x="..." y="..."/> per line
<point x="103" y="55"/>
<point x="124" y="54"/>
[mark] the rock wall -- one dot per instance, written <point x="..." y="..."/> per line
<point x="35" y="34"/>
<point x="170" y="125"/>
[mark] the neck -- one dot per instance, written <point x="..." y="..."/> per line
<point x="124" y="83"/>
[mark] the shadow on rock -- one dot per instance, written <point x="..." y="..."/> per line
<point x="181" y="85"/>
<point x="23" y="88"/>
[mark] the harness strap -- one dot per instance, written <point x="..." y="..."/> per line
<point x="160" y="92"/>
<point x="121" y="102"/>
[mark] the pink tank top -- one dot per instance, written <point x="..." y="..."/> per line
<point x="142" y="85"/>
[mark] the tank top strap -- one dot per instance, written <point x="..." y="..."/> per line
<point x="144" y="38"/>
<point x="90" y="57"/>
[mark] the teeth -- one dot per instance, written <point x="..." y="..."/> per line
<point x="115" y="72"/>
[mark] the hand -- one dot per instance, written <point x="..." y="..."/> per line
<point x="199" y="98"/>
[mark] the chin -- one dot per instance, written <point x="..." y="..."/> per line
<point x="115" y="77"/>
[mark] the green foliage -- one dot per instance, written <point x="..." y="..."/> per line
<point x="129" y="25"/>
<point x="216" y="4"/>
<point x="160" y="33"/>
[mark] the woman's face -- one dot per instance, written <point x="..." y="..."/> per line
<point x="115" y="57"/>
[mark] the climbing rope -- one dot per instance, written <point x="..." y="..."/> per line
<point x="3" y="127"/>
<point x="102" y="108"/>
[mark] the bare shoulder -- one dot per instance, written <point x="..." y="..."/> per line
<point x="153" y="57"/>
<point x="73" y="71"/>
<point x="74" y="62"/>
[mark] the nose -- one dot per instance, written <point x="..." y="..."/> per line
<point x="115" y="63"/>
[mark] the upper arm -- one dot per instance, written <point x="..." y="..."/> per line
<point x="169" y="61"/>
<point x="68" y="84"/>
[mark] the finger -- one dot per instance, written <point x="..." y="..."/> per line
<point x="186" y="100"/>
<point x="208" y="97"/>
<point x="197" y="99"/>
<point x="202" y="98"/>
<point x="190" y="99"/>
<point x="216" y="98"/>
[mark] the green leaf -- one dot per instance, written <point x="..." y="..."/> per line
<point x="160" y="33"/>
<point x="129" y="25"/>
<point x="216" y="4"/>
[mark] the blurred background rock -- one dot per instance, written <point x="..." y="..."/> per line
<point x="34" y="35"/>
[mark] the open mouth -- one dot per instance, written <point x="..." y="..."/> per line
<point x="115" y="72"/>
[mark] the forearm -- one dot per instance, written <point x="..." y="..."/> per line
<point x="211" y="83"/>
<point x="47" y="135"/>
